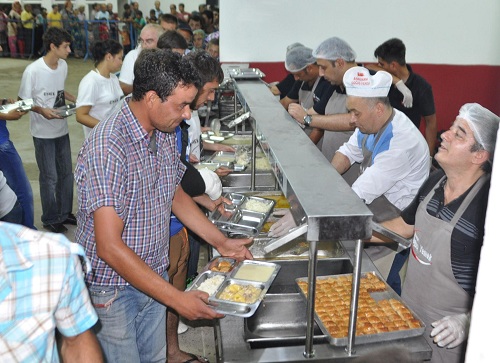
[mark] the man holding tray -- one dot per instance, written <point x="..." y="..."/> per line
<point x="128" y="174"/>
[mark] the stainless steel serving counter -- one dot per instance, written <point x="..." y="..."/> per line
<point x="321" y="201"/>
<point x="232" y="347"/>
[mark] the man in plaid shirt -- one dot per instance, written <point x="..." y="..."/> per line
<point x="41" y="289"/>
<point x="128" y="174"/>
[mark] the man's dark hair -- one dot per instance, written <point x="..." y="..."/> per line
<point x="196" y="18"/>
<point x="209" y="14"/>
<point x="55" y="36"/>
<point x="161" y="71"/>
<point x="392" y="50"/>
<point x="169" y="18"/>
<point x="172" y="40"/>
<point x="208" y="67"/>
<point x="214" y="41"/>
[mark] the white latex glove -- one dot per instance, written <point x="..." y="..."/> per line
<point x="213" y="185"/>
<point x="451" y="330"/>
<point x="281" y="227"/>
<point x="407" y="96"/>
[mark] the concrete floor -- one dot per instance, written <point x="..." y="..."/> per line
<point x="199" y="339"/>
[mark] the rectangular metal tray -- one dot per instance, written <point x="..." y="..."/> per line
<point x="231" y="307"/>
<point x="22" y="106"/>
<point x="295" y="249"/>
<point x="389" y="293"/>
<point x="237" y="220"/>
<point x="280" y="319"/>
<point x="67" y="110"/>
<point x="222" y="157"/>
<point x="245" y="73"/>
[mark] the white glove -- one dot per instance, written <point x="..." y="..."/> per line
<point x="213" y="185"/>
<point x="451" y="330"/>
<point x="407" y="96"/>
<point x="281" y="227"/>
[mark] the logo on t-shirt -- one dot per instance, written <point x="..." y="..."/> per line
<point x="60" y="100"/>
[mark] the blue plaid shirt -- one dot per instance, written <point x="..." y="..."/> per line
<point x="41" y="289"/>
<point x="117" y="167"/>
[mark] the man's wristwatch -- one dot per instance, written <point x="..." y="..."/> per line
<point x="307" y="120"/>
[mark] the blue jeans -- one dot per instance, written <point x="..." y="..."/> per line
<point x="131" y="327"/>
<point x="194" y="253"/>
<point x="15" y="215"/>
<point x="393" y="279"/>
<point x="53" y="157"/>
<point x="13" y="170"/>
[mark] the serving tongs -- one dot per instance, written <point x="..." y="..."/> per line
<point x="291" y="235"/>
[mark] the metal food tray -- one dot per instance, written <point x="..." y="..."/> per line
<point x="214" y="166"/>
<point x="67" y="110"/>
<point x="295" y="249"/>
<point x="21" y="106"/>
<point x="236" y="220"/>
<point x="389" y="293"/>
<point x="245" y="73"/>
<point x="227" y="307"/>
<point x="210" y="136"/>
<point x="222" y="157"/>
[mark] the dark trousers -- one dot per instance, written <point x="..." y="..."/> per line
<point x="53" y="157"/>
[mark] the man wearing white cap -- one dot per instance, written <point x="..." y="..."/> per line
<point x="446" y="221"/>
<point x="392" y="152"/>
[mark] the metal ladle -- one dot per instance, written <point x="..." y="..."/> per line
<point x="216" y="123"/>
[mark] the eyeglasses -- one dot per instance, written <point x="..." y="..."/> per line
<point x="149" y="41"/>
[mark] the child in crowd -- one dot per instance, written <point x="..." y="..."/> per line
<point x="125" y="39"/>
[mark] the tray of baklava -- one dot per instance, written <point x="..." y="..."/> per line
<point x="381" y="316"/>
<point x="244" y="217"/>
<point x="235" y="288"/>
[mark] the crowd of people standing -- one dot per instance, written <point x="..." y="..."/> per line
<point x="22" y="27"/>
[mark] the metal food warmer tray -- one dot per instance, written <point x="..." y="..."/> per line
<point x="239" y="218"/>
<point x="387" y="294"/>
<point x="245" y="73"/>
<point x="232" y="281"/>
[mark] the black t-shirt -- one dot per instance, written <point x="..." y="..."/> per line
<point x="300" y="85"/>
<point x="322" y="95"/>
<point x="286" y="85"/>
<point x="423" y="99"/>
<point x="467" y="236"/>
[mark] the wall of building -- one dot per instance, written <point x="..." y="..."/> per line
<point x="450" y="43"/>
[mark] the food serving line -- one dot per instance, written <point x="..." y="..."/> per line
<point x="329" y="214"/>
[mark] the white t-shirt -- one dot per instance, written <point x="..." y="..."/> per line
<point x="194" y="134"/>
<point x="99" y="92"/>
<point x="127" y="71"/>
<point x="46" y="87"/>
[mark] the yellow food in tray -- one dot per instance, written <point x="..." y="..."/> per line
<point x="247" y="294"/>
<point x="281" y="201"/>
<point x="222" y="266"/>
<point x="332" y="304"/>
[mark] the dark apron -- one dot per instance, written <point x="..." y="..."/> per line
<point x="333" y="140"/>
<point x="306" y="100"/>
<point x="430" y="288"/>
